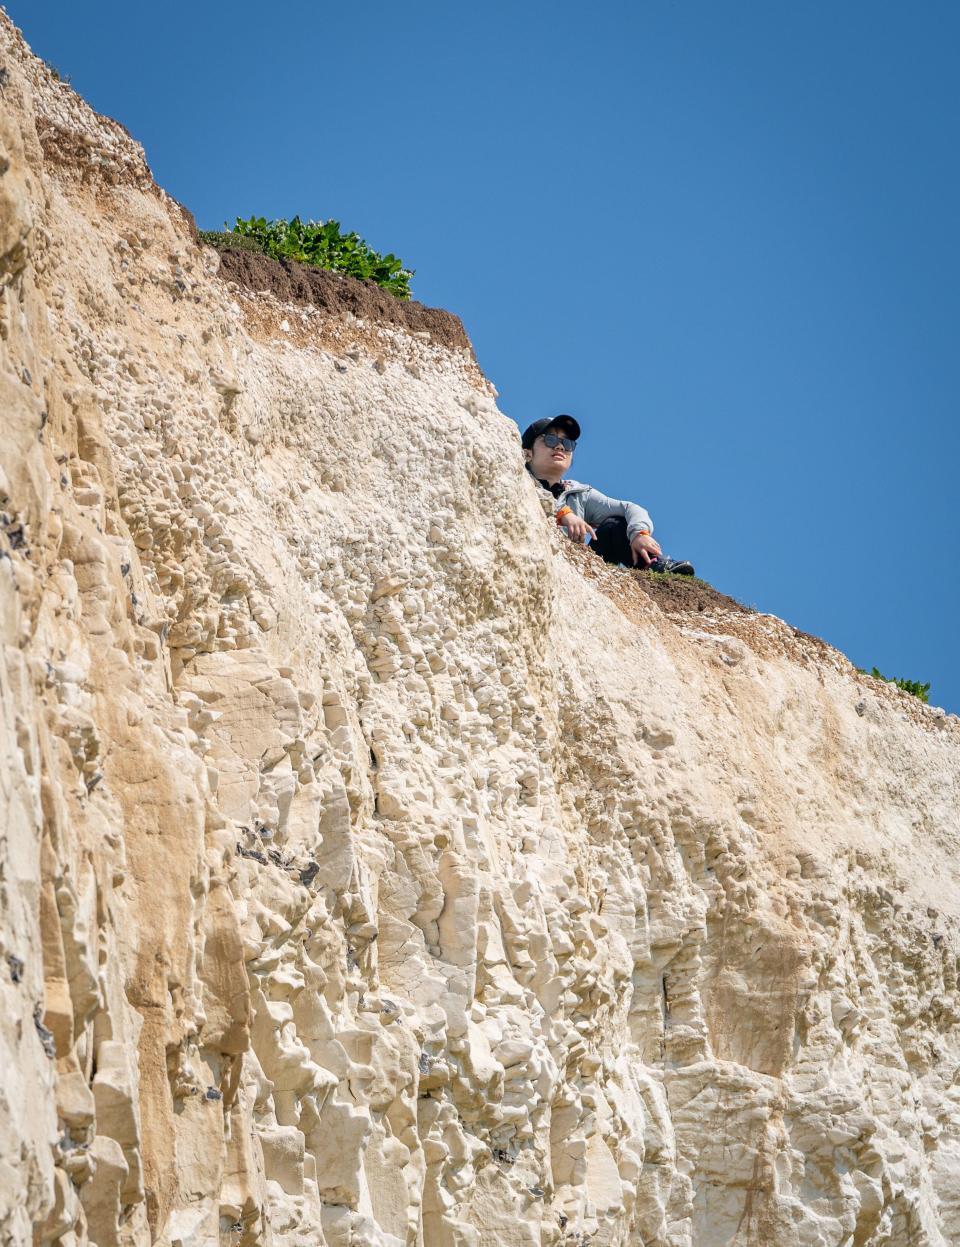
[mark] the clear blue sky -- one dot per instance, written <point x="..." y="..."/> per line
<point x="722" y="233"/>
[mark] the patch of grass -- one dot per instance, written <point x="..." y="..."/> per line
<point x="913" y="687"/>
<point x="226" y="240"/>
<point x="322" y="244"/>
<point x="57" y="75"/>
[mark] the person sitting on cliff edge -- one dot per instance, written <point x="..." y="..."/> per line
<point x="621" y="532"/>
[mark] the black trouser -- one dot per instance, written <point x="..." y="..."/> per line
<point x="612" y="542"/>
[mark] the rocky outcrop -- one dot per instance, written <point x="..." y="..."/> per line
<point x="374" y="867"/>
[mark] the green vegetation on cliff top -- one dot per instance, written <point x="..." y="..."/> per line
<point x="320" y="243"/>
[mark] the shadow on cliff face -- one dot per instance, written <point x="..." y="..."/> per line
<point x="338" y="293"/>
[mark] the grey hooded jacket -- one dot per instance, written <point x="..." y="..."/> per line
<point x="594" y="507"/>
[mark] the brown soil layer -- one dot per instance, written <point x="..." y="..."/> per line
<point x="684" y="595"/>
<point x="690" y="601"/>
<point x="337" y="294"/>
<point x="687" y="595"/>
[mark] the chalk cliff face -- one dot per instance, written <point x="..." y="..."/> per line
<point x="377" y="869"/>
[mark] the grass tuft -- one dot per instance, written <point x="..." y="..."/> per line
<point x="57" y="75"/>
<point x="913" y="687"/>
<point x="226" y="240"/>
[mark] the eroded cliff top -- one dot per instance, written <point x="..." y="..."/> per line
<point x="337" y="294"/>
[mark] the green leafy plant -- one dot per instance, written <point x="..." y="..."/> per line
<point x="914" y="687"/>
<point x="325" y="245"/>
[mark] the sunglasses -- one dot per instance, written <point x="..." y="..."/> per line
<point x="552" y="439"/>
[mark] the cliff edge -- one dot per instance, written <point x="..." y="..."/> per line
<point x="377" y="869"/>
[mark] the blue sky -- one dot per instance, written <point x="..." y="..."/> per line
<point x="723" y="234"/>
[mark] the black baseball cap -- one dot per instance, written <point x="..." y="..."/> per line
<point x="533" y="431"/>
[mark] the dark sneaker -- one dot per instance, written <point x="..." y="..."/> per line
<point x="676" y="567"/>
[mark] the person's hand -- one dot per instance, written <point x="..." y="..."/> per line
<point x="577" y="528"/>
<point x="644" y="550"/>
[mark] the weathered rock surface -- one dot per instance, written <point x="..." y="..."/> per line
<point x="374" y="869"/>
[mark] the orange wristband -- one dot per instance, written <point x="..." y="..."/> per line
<point x="562" y="513"/>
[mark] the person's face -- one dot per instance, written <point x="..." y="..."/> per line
<point x="550" y="461"/>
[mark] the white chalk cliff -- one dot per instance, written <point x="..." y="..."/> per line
<point x="377" y="870"/>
